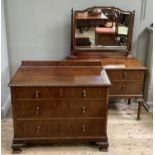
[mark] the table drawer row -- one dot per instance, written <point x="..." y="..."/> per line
<point x="56" y="92"/>
<point x="128" y="88"/>
<point x="135" y="75"/>
<point x="60" y="128"/>
<point x="59" y="108"/>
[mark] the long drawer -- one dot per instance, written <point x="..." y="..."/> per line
<point x="56" y="92"/>
<point x="36" y="92"/>
<point x="60" y="128"/>
<point x="130" y="88"/>
<point x="137" y="75"/>
<point x="60" y="108"/>
<point x="97" y="92"/>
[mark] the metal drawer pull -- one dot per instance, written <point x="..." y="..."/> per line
<point x="123" y="88"/>
<point x="83" y="128"/>
<point x="84" y="93"/>
<point x="38" y="129"/>
<point x="37" y="94"/>
<point x="37" y="110"/>
<point x="83" y="109"/>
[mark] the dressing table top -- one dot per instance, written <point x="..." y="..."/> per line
<point x="117" y="63"/>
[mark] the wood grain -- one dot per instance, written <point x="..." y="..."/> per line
<point x="126" y="136"/>
<point x="55" y="103"/>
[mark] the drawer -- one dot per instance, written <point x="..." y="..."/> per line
<point x="126" y="75"/>
<point x="90" y="92"/>
<point x="36" y="92"/>
<point x="58" y="108"/>
<point x="127" y="88"/>
<point x="60" y="128"/>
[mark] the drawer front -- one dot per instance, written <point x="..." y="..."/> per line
<point x="60" y="128"/>
<point x="97" y="92"/>
<point x="126" y="88"/>
<point x="58" y="108"/>
<point x="126" y="75"/>
<point x="36" y="92"/>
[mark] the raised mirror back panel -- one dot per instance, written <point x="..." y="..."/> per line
<point x="102" y="29"/>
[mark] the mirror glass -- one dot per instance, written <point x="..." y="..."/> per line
<point x="101" y="28"/>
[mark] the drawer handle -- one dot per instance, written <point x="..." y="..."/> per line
<point x="37" y="94"/>
<point x="83" y="109"/>
<point x="123" y="88"/>
<point x="38" y="129"/>
<point x="83" y="128"/>
<point x="37" y="110"/>
<point x="84" y="93"/>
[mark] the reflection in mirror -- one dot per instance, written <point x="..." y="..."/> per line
<point x="101" y="28"/>
<point x="122" y="29"/>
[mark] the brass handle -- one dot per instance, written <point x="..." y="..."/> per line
<point x="37" y="94"/>
<point x="37" y="110"/>
<point x="83" y="128"/>
<point x="38" y="129"/>
<point x="84" y="93"/>
<point x="83" y="109"/>
<point x="123" y="88"/>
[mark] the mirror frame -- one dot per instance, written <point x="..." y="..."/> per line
<point x="110" y="52"/>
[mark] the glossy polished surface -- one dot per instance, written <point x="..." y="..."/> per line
<point x="58" y="75"/>
<point x="60" y="101"/>
<point x="126" y="75"/>
<point x="116" y="62"/>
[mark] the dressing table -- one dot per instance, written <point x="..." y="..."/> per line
<point x="109" y="31"/>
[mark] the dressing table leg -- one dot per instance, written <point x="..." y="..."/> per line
<point x="129" y="101"/>
<point x="140" y="103"/>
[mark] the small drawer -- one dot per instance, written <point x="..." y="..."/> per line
<point x="60" y="128"/>
<point x="57" y="108"/>
<point x="126" y="88"/>
<point x="126" y="75"/>
<point x="86" y="108"/>
<point x="97" y="92"/>
<point x="36" y="92"/>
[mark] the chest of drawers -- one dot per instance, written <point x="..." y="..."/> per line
<point x="54" y="103"/>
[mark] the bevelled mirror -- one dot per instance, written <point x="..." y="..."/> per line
<point x="102" y="29"/>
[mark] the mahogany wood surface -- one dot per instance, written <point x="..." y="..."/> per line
<point x="127" y="76"/>
<point x="59" y="108"/>
<point x="129" y="63"/>
<point x="60" y="75"/>
<point x="60" y="102"/>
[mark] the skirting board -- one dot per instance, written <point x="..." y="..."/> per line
<point x="5" y="107"/>
<point x="148" y="106"/>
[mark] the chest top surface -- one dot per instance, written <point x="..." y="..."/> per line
<point x="60" y="73"/>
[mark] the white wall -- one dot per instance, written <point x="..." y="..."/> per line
<point x="40" y="29"/>
<point x="5" y="94"/>
<point x="143" y="34"/>
<point x="147" y="14"/>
